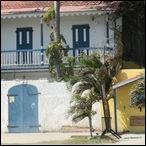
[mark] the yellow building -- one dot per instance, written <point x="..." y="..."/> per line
<point x="123" y="116"/>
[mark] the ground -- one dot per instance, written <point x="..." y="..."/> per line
<point x="43" y="138"/>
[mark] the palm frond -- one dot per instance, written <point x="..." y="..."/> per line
<point x="137" y="92"/>
<point x="78" y="117"/>
<point x="92" y="61"/>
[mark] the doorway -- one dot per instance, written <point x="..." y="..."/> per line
<point x="24" y="45"/>
<point x="80" y="39"/>
<point x="23" y="109"/>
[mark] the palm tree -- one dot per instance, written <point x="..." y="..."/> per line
<point x="57" y="36"/>
<point x="57" y="46"/>
<point x="53" y="13"/>
<point x="97" y="76"/>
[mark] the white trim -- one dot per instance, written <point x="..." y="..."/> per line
<point x="77" y="13"/>
<point x="125" y="82"/>
<point x="9" y="16"/>
<point x="24" y="15"/>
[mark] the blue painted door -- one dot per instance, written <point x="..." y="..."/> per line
<point x="80" y="38"/>
<point x="24" y="39"/>
<point x="23" y="109"/>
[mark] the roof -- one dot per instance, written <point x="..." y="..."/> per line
<point x="14" y="7"/>
<point x="125" y="82"/>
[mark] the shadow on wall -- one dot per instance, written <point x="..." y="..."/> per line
<point x="123" y="118"/>
<point x="123" y="76"/>
<point x="124" y="110"/>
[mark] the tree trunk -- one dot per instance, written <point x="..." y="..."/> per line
<point x="57" y="37"/>
<point x="105" y="108"/>
<point x="90" y="125"/>
<point x="57" y="20"/>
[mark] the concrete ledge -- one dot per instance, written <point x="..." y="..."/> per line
<point x="75" y="129"/>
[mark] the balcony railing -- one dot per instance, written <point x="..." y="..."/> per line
<point x="35" y="58"/>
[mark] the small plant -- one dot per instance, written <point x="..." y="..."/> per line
<point x="54" y="49"/>
<point x="49" y="15"/>
<point x="81" y="107"/>
<point x="60" y="66"/>
<point x="137" y="93"/>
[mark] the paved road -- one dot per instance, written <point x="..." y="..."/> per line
<point x="34" y="138"/>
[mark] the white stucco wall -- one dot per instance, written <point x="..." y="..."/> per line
<point x="8" y="34"/>
<point x="53" y="103"/>
<point x="97" y="30"/>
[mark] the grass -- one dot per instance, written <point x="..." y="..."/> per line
<point x="82" y="140"/>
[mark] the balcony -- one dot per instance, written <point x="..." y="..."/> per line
<point x="34" y="59"/>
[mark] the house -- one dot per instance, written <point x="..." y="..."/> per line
<point x="31" y="100"/>
<point x="124" y="117"/>
<point x="81" y="22"/>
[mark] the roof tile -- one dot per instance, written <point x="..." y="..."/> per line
<point x="12" y="6"/>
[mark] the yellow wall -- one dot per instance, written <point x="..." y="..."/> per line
<point x="125" y="74"/>
<point x="124" y="111"/>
